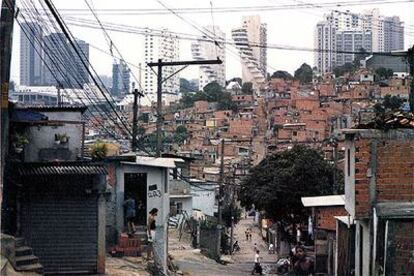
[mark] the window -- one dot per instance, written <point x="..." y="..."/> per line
<point x="179" y="206"/>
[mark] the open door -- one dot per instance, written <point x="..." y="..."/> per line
<point x="136" y="187"/>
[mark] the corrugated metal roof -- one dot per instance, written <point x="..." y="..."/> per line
<point x="319" y="201"/>
<point x="157" y="161"/>
<point x="49" y="169"/>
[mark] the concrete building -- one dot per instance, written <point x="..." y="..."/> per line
<point x="31" y="65"/>
<point x="62" y="63"/>
<point x="351" y="41"/>
<point x="202" y="50"/>
<point x="165" y="46"/>
<point x="121" y="76"/>
<point x="325" y="42"/>
<point x="253" y="59"/>
<point x="352" y="31"/>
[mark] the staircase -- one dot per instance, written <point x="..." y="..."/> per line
<point x="25" y="261"/>
<point x="132" y="245"/>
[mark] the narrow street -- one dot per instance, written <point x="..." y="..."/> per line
<point x="191" y="262"/>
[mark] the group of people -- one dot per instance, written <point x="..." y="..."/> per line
<point x="248" y="234"/>
<point x="131" y="215"/>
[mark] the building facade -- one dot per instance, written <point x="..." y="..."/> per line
<point x="121" y="78"/>
<point x="164" y="46"/>
<point x="254" y="59"/>
<point x="31" y="65"/>
<point x="203" y="50"/>
<point x="351" y="32"/>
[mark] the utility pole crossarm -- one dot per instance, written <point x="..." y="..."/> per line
<point x="182" y="63"/>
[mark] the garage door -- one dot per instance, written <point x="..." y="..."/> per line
<point x="59" y="221"/>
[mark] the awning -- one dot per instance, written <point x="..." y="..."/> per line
<point x="395" y="209"/>
<point x="22" y="115"/>
<point x="48" y="169"/>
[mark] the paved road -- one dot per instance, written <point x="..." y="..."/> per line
<point x="192" y="263"/>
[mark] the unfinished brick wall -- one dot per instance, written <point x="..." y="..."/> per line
<point x="395" y="171"/>
<point x="325" y="216"/>
<point x="394" y="177"/>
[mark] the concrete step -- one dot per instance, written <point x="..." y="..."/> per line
<point x="26" y="260"/>
<point x="23" y="251"/>
<point x="37" y="268"/>
<point x="19" y="242"/>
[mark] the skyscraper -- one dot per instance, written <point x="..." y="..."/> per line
<point x="202" y="50"/>
<point x="254" y="59"/>
<point x="163" y="45"/>
<point x="31" y="65"/>
<point x="62" y="64"/>
<point x="121" y="78"/>
<point x="350" y="32"/>
<point x="325" y="42"/>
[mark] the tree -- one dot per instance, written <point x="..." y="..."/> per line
<point x="282" y="75"/>
<point x="360" y="56"/>
<point x="343" y="69"/>
<point x="389" y="103"/>
<point x="277" y="183"/>
<point x="247" y="88"/>
<point x="99" y="150"/>
<point x="304" y="74"/>
<point x="384" y="73"/>
<point x="187" y="86"/>
<point x="180" y="135"/>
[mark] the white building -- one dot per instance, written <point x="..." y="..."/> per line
<point x="325" y="42"/>
<point x="165" y="46"/>
<point x="253" y="59"/>
<point x="346" y="31"/>
<point x="205" y="49"/>
<point x="31" y="65"/>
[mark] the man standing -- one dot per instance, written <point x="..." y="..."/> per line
<point x="257" y="267"/>
<point x="130" y="213"/>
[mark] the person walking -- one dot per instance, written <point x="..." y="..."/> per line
<point x="130" y="213"/>
<point x="247" y="232"/>
<point x="151" y="226"/>
<point x="257" y="267"/>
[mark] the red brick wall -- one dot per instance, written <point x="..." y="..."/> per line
<point x="395" y="171"/>
<point x="325" y="216"/>
<point x="362" y="158"/>
<point x="394" y="176"/>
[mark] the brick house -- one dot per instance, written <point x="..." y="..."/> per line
<point x="379" y="189"/>
<point x="324" y="211"/>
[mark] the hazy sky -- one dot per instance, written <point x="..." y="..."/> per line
<point x="294" y="27"/>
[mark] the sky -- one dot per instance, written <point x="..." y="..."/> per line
<point x="293" y="27"/>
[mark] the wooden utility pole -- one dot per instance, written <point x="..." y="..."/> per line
<point x="135" y="120"/>
<point x="220" y="200"/>
<point x="160" y="64"/>
<point x="6" y="40"/>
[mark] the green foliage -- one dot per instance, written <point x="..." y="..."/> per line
<point x="187" y="86"/>
<point x="99" y="150"/>
<point x="282" y="75"/>
<point x="20" y="140"/>
<point x="389" y="103"/>
<point x="342" y="70"/>
<point x="180" y="135"/>
<point x="277" y="184"/>
<point x="212" y="92"/>
<point x="228" y="212"/>
<point x="384" y="73"/>
<point x="247" y="88"/>
<point x="304" y="74"/>
<point x="360" y="56"/>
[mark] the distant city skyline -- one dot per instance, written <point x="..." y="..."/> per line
<point x="285" y="27"/>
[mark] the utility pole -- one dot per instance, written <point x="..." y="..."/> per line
<point x="220" y="200"/>
<point x="160" y="64"/>
<point x="6" y="39"/>
<point x="232" y="213"/>
<point x="410" y="58"/>
<point x="135" y="120"/>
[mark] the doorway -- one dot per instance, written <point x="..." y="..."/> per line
<point x="136" y="187"/>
